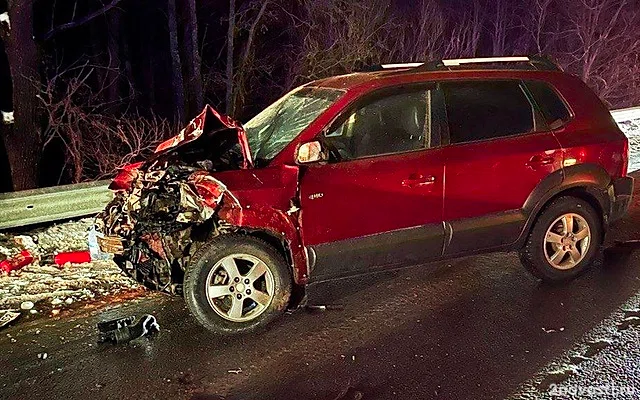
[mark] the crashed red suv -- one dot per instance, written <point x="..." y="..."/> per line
<point x="369" y="172"/>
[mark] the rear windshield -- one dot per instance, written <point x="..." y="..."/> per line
<point x="275" y="127"/>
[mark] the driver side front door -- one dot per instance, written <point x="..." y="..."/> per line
<point x="378" y="204"/>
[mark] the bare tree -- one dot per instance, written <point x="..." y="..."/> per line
<point x="22" y="140"/>
<point x="465" y="32"/>
<point x="340" y="35"/>
<point x="602" y="44"/>
<point x="96" y="143"/>
<point x="423" y="38"/>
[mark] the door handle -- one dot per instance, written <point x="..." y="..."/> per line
<point x="538" y="160"/>
<point x="418" y="181"/>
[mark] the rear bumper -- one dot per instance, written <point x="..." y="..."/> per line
<point x="620" y="193"/>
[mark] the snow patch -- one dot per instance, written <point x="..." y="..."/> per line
<point x="45" y="284"/>
<point x="631" y="129"/>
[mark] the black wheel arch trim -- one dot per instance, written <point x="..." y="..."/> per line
<point x="592" y="179"/>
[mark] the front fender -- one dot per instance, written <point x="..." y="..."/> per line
<point x="279" y="224"/>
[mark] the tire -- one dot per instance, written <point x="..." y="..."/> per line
<point x="211" y="274"/>
<point x="538" y="255"/>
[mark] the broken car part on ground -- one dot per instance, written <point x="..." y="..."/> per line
<point x="123" y="330"/>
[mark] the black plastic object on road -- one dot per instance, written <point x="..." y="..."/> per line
<point x="120" y="331"/>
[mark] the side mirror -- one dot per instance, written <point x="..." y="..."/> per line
<point x="311" y="152"/>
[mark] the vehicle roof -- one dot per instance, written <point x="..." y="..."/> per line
<point x="378" y="79"/>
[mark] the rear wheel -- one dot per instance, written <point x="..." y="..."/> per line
<point x="237" y="284"/>
<point x="564" y="240"/>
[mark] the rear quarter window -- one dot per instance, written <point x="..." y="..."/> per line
<point x="554" y="109"/>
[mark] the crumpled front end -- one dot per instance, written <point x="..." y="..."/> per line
<point x="165" y="205"/>
<point x="151" y="228"/>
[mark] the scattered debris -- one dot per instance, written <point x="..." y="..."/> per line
<point x="555" y="377"/>
<point x="629" y="322"/>
<point x="548" y="330"/>
<point x="597" y="346"/>
<point x="350" y="393"/>
<point x="125" y="332"/>
<point x="74" y="257"/>
<point x="7" y="317"/>
<point x="577" y="359"/>
<point x="19" y="261"/>
<point x="327" y="307"/>
<point x="27" y="305"/>
<point x="43" y="356"/>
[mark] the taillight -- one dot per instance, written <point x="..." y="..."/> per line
<point x="625" y="158"/>
<point x="125" y="177"/>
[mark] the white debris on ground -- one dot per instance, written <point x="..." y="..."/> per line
<point x="47" y="285"/>
<point x="632" y="130"/>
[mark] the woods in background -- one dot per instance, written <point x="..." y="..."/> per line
<point x="95" y="84"/>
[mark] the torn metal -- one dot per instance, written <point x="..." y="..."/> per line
<point x="165" y="208"/>
<point x="161" y="207"/>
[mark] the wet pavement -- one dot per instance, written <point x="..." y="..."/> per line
<point x="475" y="328"/>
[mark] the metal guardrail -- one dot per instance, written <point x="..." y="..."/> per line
<point x="70" y="201"/>
<point x="53" y="203"/>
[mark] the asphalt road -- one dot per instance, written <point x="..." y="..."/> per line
<point x="476" y="328"/>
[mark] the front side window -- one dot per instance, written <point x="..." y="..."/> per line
<point x="395" y="123"/>
<point x="275" y="127"/>
<point x="487" y="110"/>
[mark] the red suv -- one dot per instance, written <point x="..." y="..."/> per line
<point x="368" y="172"/>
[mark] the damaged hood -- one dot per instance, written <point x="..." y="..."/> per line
<point x="210" y="122"/>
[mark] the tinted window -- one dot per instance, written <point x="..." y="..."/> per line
<point x="551" y="105"/>
<point x="393" y="124"/>
<point x="487" y="110"/>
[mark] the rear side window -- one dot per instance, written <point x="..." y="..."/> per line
<point x="550" y="104"/>
<point x="487" y="110"/>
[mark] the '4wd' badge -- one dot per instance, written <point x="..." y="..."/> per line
<point x="315" y="196"/>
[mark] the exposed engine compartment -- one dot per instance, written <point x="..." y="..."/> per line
<point x="164" y="206"/>
<point x="167" y="209"/>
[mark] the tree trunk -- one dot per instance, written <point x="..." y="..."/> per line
<point x="192" y="61"/>
<point x="177" y="81"/>
<point x="230" y="41"/>
<point x="22" y="139"/>
<point x="246" y="59"/>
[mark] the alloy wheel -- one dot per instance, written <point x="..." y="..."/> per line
<point x="567" y="241"/>
<point x="240" y="287"/>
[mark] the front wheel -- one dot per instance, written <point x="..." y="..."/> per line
<point x="237" y="284"/>
<point x="564" y="241"/>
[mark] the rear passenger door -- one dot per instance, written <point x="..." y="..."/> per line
<point x="500" y="150"/>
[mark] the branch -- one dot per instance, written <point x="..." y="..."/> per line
<point x="80" y="21"/>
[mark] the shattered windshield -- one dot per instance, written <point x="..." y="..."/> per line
<point x="275" y="127"/>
